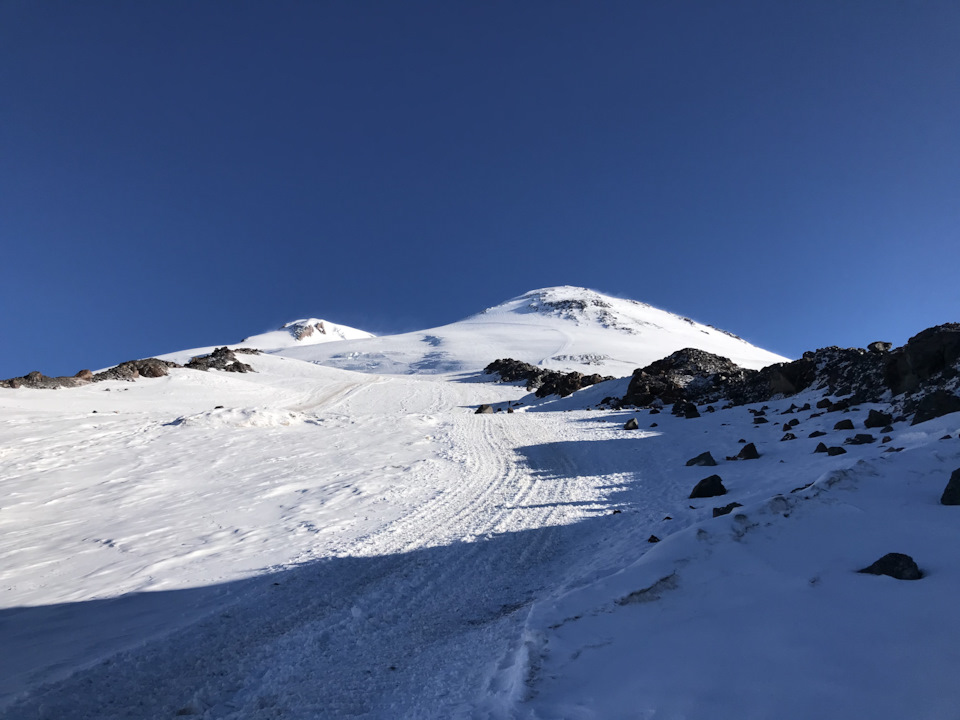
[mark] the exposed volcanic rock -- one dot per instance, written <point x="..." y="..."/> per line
<point x="686" y="374"/>
<point x="545" y="382"/>
<point x="923" y="376"/>
<point x="130" y="370"/>
<point x="223" y="358"/>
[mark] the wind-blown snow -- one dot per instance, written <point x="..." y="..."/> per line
<point x="334" y="544"/>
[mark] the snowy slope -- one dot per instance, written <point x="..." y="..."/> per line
<point x="310" y="542"/>
<point x="564" y="328"/>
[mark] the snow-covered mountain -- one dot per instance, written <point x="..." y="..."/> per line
<point x="308" y="331"/>
<point x="307" y="542"/>
<point x="562" y="328"/>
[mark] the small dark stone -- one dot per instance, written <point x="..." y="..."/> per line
<point x="616" y="512"/>
<point x="711" y="409"/>
<point x="787" y="427"/>
<point x="794" y="422"/>
<point x="631" y="424"/>
<point x="947" y="437"/>
<point x="877" y="419"/>
<point x="821" y="448"/>
<point x="510" y="410"/>
<point x="836" y="451"/>
<point x="816" y="434"/>
<point x="951" y="494"/>
<point x="760" y="420"/>
<point x="824" y="404"/>
<point x="806" y="406"/>
<point x="726" y="509"/>
<point x="887" y="429"/>
<point x="815" y="415"/>
<point x="708" y="487"/>
<point x="860" y="439"/>
<point x="741" y="440"/>
<point x="893" y="449"/>
<point x="484" y="410"/>
<point x="653" y="425"/>
<point x="654" y="411"/>
<point x="218" y="407"/>
<point x="748" y="452"/>
<point x="788" y="436"/>
<point x="653" y="539"/>
<point x="704" y="459"/>
<point x="895" y="565"/>
<point x="844" y="425"/>
<point x="885" y="439"/>
<point x="839" y="406"/>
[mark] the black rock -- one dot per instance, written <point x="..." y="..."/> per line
<point x="844" y="425"/>
<point x="704" y="459"/>
<point x="824" y="403"/>
<point x="631" y="424"/>
<point x="885" y="439"/>
<point x="821" y="448"/>
<point x="708" y="487"/>
<point x="788" y="436"/>
<point x="759" y="420"/>
<point x="794" y="422"/>
<point x="741" y="441"/>
<point x="748" y="452"/>
<point x="936" y="404"/>
<point x="816" y="434"/>
<point x="653" y="425"/>
<point x="895" y="565"/>
<point x="832" y="451"/>
<point x="860" y="439"/>
<point x="726" y="509"/>
<point x="653" y="539"/>
<point x="484" y="410"/>
<point x="947" y="437"/>
<point x="951" y="494"/>
<point x="878" y="419"/>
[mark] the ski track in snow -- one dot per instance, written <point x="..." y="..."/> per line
<point x="336" y="545"/>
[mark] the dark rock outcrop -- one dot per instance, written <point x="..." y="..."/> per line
<point x="951" y="493"/>
<point x="541" y="380"/>
<point x="934" y="352"/>
<point x="895" y="565"/>
<point x="844" y="425"/>
<point x="680" y="376"/>
<point x="936" y="404"/>
<point x="708" y="487"/>
<point x="223" y="358"/>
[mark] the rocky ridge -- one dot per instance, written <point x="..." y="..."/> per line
<point x="222" y="358"/>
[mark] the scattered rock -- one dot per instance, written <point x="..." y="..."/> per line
<point x="653" y="539"/>
<point x="824" y="403"/>
<point x="885" y="439"/>
<point x="748" y="452"/>
<point x="947" y="437"/>
<point x="788" y="436"/>
<point x="685" y="409"/>
<point x="880" y="347"/>
<point x="887" y="429"/>
<point x="741" y="441"/>
<point x="833" y="451"/>
<point x="844" y="425"/>
<point x="759" y="420"/>
<point x="816" y="434"/>
<point x="726" y="509"/>
<point x="708" y="487"/>
<point x="860" y="439"/>
<point x="653" y="425"/>
<point x="821" y="448"/>
<point x="951" y="493"/>
<point x="631" y="424"/>
<point x="484" y="410"/>
<point x="704" y="459"/>
<point x="895" y="565"/>
<point x="877" y="419"/>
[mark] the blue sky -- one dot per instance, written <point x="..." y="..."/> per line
<point x="180" y="174"/>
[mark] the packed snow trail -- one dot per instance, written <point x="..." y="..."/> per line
<point x="414" y="619"/>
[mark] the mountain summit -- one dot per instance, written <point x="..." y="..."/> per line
<point x="562" y="328"/>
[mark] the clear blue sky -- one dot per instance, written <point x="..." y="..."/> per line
<point x="177" y="174"/>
